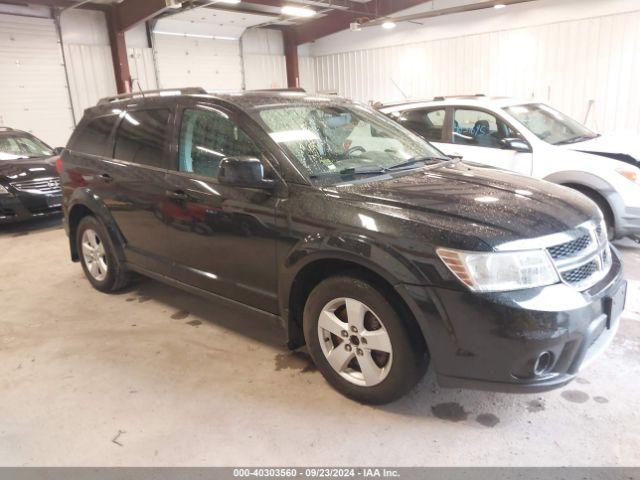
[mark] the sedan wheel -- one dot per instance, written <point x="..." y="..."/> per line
<point x="355" y="342"/>
<point x="94" y="254"/>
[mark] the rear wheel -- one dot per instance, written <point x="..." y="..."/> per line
<point x="98" y="257"/>
<point x="359" y="343"/>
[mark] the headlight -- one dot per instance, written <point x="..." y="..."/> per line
<point x="630" y="173"/>
<point x="3" y="190"/>
<point x="500" y="271"/>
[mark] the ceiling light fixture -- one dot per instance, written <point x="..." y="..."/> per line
<point x="498" y="6"/>
<point x="297" y="11"/>
<point x="389" y="24"/>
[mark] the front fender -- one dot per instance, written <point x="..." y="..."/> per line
<point x="581" y="178"/>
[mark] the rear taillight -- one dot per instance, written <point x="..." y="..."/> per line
<point x="59" y="165"/>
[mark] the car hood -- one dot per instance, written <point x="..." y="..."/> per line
<point x="625" y="148"/>
<point x="467" y="200"/>
<point x="27" y="169"/>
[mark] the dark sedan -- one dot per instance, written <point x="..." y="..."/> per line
<point x="29" y="180"/>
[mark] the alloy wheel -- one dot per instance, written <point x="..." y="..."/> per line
<point x="355" y="342"/>
<point x="94" y="255"/>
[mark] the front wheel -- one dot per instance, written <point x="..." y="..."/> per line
<point x="98" y="256"/>
<point x="359" y="342"/>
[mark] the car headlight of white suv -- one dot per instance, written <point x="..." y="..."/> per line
<point x="630" y="173"/>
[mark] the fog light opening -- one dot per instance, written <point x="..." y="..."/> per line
<point x="543" y="364"/>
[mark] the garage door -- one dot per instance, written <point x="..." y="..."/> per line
<point x="33" y="89"/>
<point x="198" y="62"/>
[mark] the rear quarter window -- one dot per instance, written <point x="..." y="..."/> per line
<point x="92" y="138"/>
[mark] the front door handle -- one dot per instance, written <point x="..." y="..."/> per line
<point x="105" y="177"/>
<point x="177" y="194"/>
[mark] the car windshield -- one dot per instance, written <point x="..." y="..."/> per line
<point x="13" y="147"/>
<point x="335" y="140"/>
<point x="550" y="125"/>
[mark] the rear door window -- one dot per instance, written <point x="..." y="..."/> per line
<point x="141" y="137"/>
<point x="93" y="137"/>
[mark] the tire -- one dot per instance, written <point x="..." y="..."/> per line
<point x="98" y="256"/>
<point x="604" y="208"/>
<point x="389" y="374"/>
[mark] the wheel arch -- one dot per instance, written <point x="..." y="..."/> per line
<point x="321" y="266"/>
<point x="590" y="185"/>
<point x="84" y="204"/>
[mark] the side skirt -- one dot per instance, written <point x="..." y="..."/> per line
<point x="203" y="293"/>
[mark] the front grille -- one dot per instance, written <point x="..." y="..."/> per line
<point x="46" y="186"/>
<point x="580" y="274"/>
<point x="584" y="260"/>
<point x="570" y="249"/>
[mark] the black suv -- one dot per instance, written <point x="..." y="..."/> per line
<point x="371" y="247"/>
<point x="29" y="183"/>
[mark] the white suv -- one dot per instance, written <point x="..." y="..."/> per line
<point x="533" y="139"/>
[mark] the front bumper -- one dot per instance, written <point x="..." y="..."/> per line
<point x="23" y="206"/>
<point x="492" y="341"/>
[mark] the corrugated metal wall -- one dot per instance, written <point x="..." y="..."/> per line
<point x="307" y="68"/>
<point x="33" y="87"/>
<point x="142" y="68"/>
<point x="566" y="64"/>
<point x="186" y="61"/>
<point x="91" y="76"/>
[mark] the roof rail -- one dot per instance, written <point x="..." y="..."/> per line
<point x="165" y="92"/>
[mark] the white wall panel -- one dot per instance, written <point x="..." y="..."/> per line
<point x="91" y="76"/>
<point x="33" y="87"/>
<point x="142" y="68"/>
<point x="567" y="64"/>
<point x="264" y="71"/>
<point x="307" y="68"/>
<point x="188" y="62"/>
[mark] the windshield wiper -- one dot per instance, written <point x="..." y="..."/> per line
<point x="418" y="159"/>
<point x="442" y="162"/>
<point x="580" y="138"/>
<point x="361" y="171"/>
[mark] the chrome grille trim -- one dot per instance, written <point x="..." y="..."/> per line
<point x="589" y="264"/>
<point x="44" y="186"/>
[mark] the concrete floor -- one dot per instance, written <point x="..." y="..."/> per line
<point x="155" y="376"/>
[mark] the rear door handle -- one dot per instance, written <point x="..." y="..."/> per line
<point x="177" y="194"/>
<point x="105" y="177"/>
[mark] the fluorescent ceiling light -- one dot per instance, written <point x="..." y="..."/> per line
<point x="388" y="25"/>
<point x="195" y="35"/>
<point x="297" y="11"/>
<point x="498" y="6"/>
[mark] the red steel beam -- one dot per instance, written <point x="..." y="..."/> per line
<point x="118" y="53"/>
<point x="132" y="12"/>
<point x="291" y="58"/>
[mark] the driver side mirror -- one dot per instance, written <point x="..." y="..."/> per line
<point x="58" y="150"/>
<point x="516" y="144"/>
<point x="247" y="172"/>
